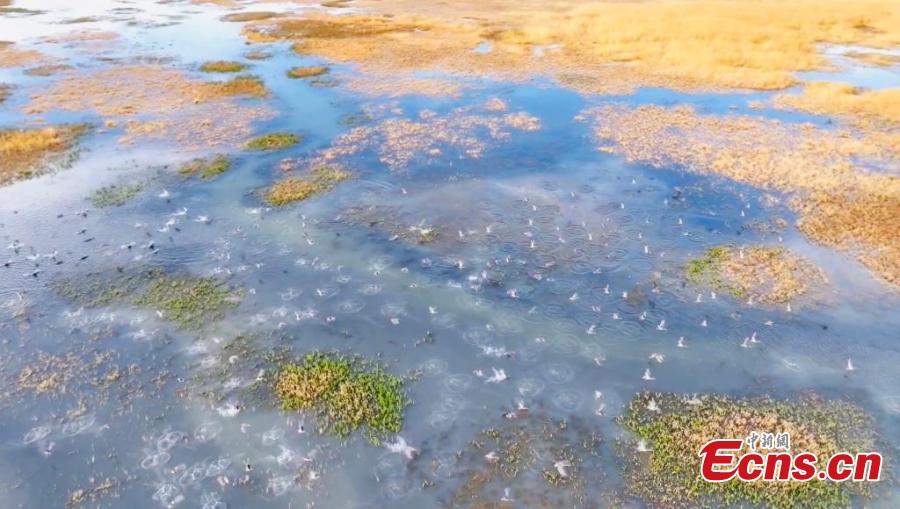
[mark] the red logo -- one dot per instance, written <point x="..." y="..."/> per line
<point x="721" y="461"/>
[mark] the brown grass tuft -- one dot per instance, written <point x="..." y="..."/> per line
<point x="24" y="152"/>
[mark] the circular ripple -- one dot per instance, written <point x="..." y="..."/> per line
<point x="458" y="383"/>
<point x="434" y="367"/>
<point x="567" y="401"/>
<point x="530" y="387"/>
<point x="558" y="372"/>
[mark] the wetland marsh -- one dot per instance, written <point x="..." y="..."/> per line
<point x="261" y="253"/>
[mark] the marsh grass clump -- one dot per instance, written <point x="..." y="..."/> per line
<point x="307" y="72"/>
<point x="291" y="189"/>
<point x="274" y="141"/>
<point x="257" y="55"/>
<point x="188" y="301"/>
<point x="769" y="275"/>
<point x="240" y="17"/>
<point x="346" y="394"/>
<point x="5" y="91"/>
<point x="675" y="428"/>
<point x="223" y="66"/>
<point x="876" y="59"/>
<point x="27" y="152"/>
<point x="47" y="70"/>
<point x="544" y="462"/>
<point x="115" y="195"/>
<point x="245" y="85"/>
<point x="206" y="168"/>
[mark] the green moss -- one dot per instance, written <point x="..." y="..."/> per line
<point x="307" y="72"/>
<point x="188" y="301"/>
<point x="274" y="141"/>
<point x="115" y="196"/>
<point x="206" y="168"/>
<point x="675" y="429"/>
<point x="346" y="394"/>
<point x="223" y="66"/>
<point x="291" y="189"/>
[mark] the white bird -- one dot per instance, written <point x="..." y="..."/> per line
<point x="561" y="467"/>
<point x="498" y="376"/>
<point x="661" y="326"/>
<point x="165" y="194"/>
<point x="506" y="496"/>
<point x="642" y="446"/>
<point x="615" y="316"/>
<point x="491" y="456"/>
<point x="598" y="394"/>
<point x="850" y="365"/>
<point x="681" y="343"/>
<point x="658" y="357"/>
<point x="202" y="219"/>
<point x="591" y="330"/>
<point x="753" y="338"/>
<point x="512" y="293"/>
<point x="647" y="375"/>
<point x="402" y="448"/>
<point x="745" y="343"/>
<point x="703" y="323"/>
<point x="574" y="297"/>
<point x="432" y="310"/>
<point x="652" y="406"/>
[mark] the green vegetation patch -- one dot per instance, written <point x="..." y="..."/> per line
<point x="292" y="189"/>
<point x="246" y="85"/>
<point x="115" y="195"/>
<point x="223" y="66"/>
<point x="346" y="394"/>
<point x="674" y="429"/>
<point x="307" y="72"/>
<point x="188" y="301"/>
<point x="205" y="167"/>
<point x="274" y="141"/>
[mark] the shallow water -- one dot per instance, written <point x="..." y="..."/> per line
<point x="539" y="238"/>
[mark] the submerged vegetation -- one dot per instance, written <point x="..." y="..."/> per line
<point x="5" y="91"/>
<point x="189" y="301"/>
<point x="205" y="167"/>
<point x="274" y="141"/>
<point x="307" y="72"/>
<point x="115" y="195"/>
<point x="542" y="462"/>
<point x="770" y="275"/>
<point x="673" y="429"/>
<point x="290" y="189"/>
<point x="223" y="66"/>
<point x="346" y="394"/>
<point x="28" y="152"/>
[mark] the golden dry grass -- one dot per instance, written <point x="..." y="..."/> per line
<point x="872" y="58"/>
<point x="307" y="72"/>
<point x="769" y="275"/>
<point x="839" y="205"/>
<point x="292" y="189"/>
<point x="11" y="57"/>
<point x="23" y="152"/>
<point x="845" y="100"/>
<point x="160" y="103"/>
<point x="755" y="44"/>
<point x="222" y="66"/>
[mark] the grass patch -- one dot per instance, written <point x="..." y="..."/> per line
<point x="190" y="302"/>
<point x="876" y="59"/>
<point x="115" y="196"/>
<point x="292" y="189"/>
<point x="240" y="17"/>
<point x="206" y="168"/>
<point x="47" y="70"/>
<point x="767" y="274"/>
<point x="346" y="395"/>
<point x="842" y="99"/>
<point x="274" y="141"/>
<point x="5" y="91"/>
<point x="675" y="429"/>
<point x="222" y="66"/>
<point x="307" y="72"/>
<point x="26" y="152"/>
<point x="257" y="55"/>
<point x="246" y="85"/>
